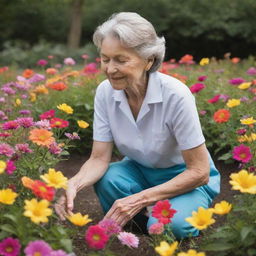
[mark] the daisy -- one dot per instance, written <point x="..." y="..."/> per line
<point x="163" y="212"/>
<point x="129" y="239"/>
<point x="96" y="237"/>
<point x="10" y="247"/>
<point x="55" y="179"/>
<point x="38" y="247"/>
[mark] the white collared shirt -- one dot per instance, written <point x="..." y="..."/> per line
<point x="167" y="123"/>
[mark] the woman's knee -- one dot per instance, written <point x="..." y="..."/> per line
<point x="182" y="229"/>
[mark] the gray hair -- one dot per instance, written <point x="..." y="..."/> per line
<point x="134" y="32"/>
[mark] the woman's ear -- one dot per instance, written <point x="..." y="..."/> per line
<point x="149" y="65"/>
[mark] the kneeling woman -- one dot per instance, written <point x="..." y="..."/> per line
<point x="152" y="119"/>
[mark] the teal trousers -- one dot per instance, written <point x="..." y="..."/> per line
<point x="128" y="177"/>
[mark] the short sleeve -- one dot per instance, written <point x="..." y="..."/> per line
<point x="186" y="124"/>
<point x="101" y="127"/>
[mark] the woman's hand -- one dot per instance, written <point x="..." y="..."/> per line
<point x="126" y="208"/>
<point x="65" y="203"/>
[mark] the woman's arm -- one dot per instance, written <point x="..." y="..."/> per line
<point x="196" y="174"/>
<point x="91" y="171"/>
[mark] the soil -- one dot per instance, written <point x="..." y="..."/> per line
<point x="87" y="202"/>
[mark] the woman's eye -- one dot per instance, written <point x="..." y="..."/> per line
<point x="121" y="61"/>
<point x="105" y="61"/>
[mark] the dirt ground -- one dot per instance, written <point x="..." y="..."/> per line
<point x="86" y="202"/>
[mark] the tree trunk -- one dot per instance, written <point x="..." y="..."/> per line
<point x="75" y="30"/>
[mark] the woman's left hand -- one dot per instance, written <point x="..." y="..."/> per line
<point x="125" y="209"/>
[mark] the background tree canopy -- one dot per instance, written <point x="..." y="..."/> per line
<point x="203" y="28"/>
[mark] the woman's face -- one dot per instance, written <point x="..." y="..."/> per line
<point x="123" y="66"/>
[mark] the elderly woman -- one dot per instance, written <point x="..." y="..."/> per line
<point x="153" y="121"/>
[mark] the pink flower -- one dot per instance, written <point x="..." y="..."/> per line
<point x="25" y="122"/>
<point x="96" y="237"/>
<point x="236" y="81"/>
<point x="73" y="136"/>
<point x="42" y="62"/>
<point x="58" y="253"/>
<point x="195" y="88"/>
<point x="242" y="153"/>
<point x="36" y="78"/>
<point x="69" y="61"/>
<point x="110" y="226"/>
<point x="6" y="149"/>
<point x="202" y="112"/>
<point x="85" y="56"/>
<point x="8" y="90"/>
<point x="23" y="148"/>
<point x="251" y="71"/>
<point x="91" y="68"/>
<point x="45" y="124"/>
<point x="128" y="239"/>
<point x="38" y="247"/>
<point x="25" y="112"/>
<point x="202" y="78"/>
<point x="48" y="114"/>
<point x="10" y="125"/>
<point x="5" y="134"/>
<point x="241" y="131"/>
<point x="10" y="167"/>
<point x="10" y="247"/>
<point x="163" y="212"/>
<point x="214" y="99"/>
<point x="55" y="149"/>
<point x="156" y="228"/>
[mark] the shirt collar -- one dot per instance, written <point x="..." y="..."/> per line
<point x="153" y="94"/>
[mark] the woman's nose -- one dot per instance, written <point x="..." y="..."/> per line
<point x="111" y="68"/>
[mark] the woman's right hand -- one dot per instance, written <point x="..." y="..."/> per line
<point x="65" y="203"/>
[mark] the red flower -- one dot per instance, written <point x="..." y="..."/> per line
<point x="59" y="86"/>
<point x="214" y="99"/>
<point x="195" y="88"/>
<point x="221" y="116"/>
<point x="163" y="212"/>
<point x="96" y="237"/>
<point x="41" y="190"/>
<point x="58" y="123"/>
<point x="48" y="114"/>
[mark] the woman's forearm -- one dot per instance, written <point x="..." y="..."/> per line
<point x="182" y="183"/>
<point x="91" y="171"/>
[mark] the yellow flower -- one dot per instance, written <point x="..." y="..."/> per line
<point x="82" y="124"/>
<point x="7" y="196"/>
<point x="41" y="89"/>
<point x="166" y="249"/>
<point x="233" y="103"/>
<point x="2" y="166"/>
<point x="204" y="61"/>
<point x="79" y="220"/>
<point x="244" y="86"/>
<point x="191" y="252"/>
<point x="55" y="179"/>
<point x="247" y="138"/>
<point x="32" y="97"/>
<point x="244" y="182"/>
<point x="248" y="121"/>
<point x="201" y="219"/>
<point x="66" y="108"/>
<point x="37" y="211"/>
<point x="17" y="102"/>
<point x="222" y="208"/>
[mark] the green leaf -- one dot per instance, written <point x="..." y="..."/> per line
<point x="67" y="244"/>
<point x="11" y="217"/>
<point x="225" y="156"/>
<point x="217" y="247"/>
<point x="8" y="228"/>
<point x="3" y="235"/>
<point x="245" y="232"/>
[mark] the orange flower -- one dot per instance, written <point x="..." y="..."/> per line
<point x="186" y="59"/>
<point x="41" y="137"/>
<point x="51" y="71"/>
<point x="59" y="86"/>
<point x="27" y="182"/>
<point x="235" y="60"/>
<point x="43" y="191"/>
<point x="221" y="116"/>
<point x="27" y="73"/>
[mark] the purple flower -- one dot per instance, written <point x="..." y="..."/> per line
<point x="10" y="167"/>
<point x="110" y="226"/>
<point x="25" y="122"/>
<point x="244" y="99"/>
<point x="224" y="97"/>
<point x="10" y="125"/>
<point x="236" y="81"/>
<point x="251" y="71"/>
<point x="42" y="62"/>
<point x="202" y="112"/>
<point x="8" y="90"/>
<point x="73" y="136"/>
<point x="23" y="148"/>
<point x="6" y="149"/>
<point x="38" y="247"/>
<point x="10" y="247"/>
<point x="25" y="112"/>
<point x="36" y="78"/>
<point x="55" y="149"/>
<point x="58" y="253"/>
<point x="24" y="96"/>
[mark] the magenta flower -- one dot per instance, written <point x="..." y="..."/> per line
<point x="91" y="68"/>
<point x="25" y="122"/>
<point x="242" y="153"/>
<point x="69" y="61"/>
<point x="241" y="131"/>
<point x="55" y="149"/>
<point x="25" y="112"/>
<point x="6" y="149"/>
<point x="110" y="226"/>
<point x="38" y="247"/>
<point x="128" y="239"/>
<point x="202" y="78"/>
<point x="236" y="81"/>
<point x="8" y="90"/>
<point x="195" y="88"/>
<point x="10" y="125"/>
<point x="10" y="167"/>
<point x="5" y="134"/>
<point x="42" y="62"/>
<point x="48" y="114"/>
<point x="156" y="228"/>
<point x="251" y="71"/>
<point x="96" y="237"/>
<point x="10" y="247"/>
<point x="214" y="99"/>
<point x="58" y="253"/>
